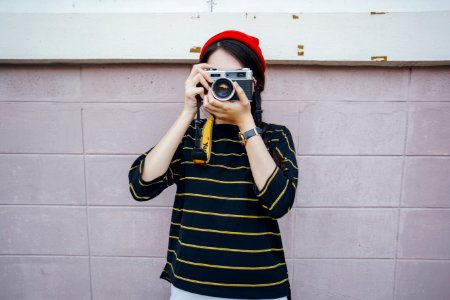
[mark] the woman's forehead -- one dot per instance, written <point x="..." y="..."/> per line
<point x="222" y="60"/>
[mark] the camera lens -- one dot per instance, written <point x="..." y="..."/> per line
<point x="223" y="89"/>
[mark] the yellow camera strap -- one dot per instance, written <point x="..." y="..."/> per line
<point x="206" y="143"/>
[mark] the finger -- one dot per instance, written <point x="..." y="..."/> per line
<point x="213" y="109"/>
<point x="205" y="101"/>
<point x="205" y="75"/>
<point x="198" y="91"/>
<point x="195" y="69"/>
<point x="217" y="103"/>
<point x="202" y="65"/>
<point x="240" y="92"/>
<point x="199" y="78"/>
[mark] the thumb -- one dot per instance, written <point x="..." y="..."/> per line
<point x="240" y="92"/>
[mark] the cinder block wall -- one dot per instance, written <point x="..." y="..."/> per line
<point x="371" y="218"/>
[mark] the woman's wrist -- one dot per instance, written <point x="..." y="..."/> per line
<point x="246" y="123"/>
<point x="187" y="113"/>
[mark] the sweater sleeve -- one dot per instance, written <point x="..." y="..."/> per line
<point x="278" y="193"/>
<point x="142" y="190"/>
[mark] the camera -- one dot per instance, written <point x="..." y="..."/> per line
<point x="222" y="86"/>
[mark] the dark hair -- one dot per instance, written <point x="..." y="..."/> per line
<point x="248" y="59"/>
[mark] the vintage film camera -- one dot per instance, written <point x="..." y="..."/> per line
<point x="222" y="85"/>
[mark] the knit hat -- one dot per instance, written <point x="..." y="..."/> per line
<point x="251" y="41"/>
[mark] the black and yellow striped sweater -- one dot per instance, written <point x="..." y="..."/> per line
<point x="224" y="238"/>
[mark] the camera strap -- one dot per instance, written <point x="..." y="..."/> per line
<point x="201" y="153"/>
<point x="258" y="110"/>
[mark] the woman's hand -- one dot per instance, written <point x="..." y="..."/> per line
<point x="197" y="75"/>
<point x="236" y="112"/>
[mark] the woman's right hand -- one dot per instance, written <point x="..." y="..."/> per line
<point x="197" y="75"/>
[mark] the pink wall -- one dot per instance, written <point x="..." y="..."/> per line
<point x="371" y="218"/>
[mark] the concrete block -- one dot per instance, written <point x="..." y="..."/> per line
<point x="427" y="182"/>
<point x="349" y="181"/>
<point x="130" y="128"/>
<point x="46" y="230"/>
<point x="341" y="279"/>
<point x="129" y="231"/>
<point x="430" y="84"/>
<point x="42" y="179"/>
<point x="340" y="83"/>
<point x="32" y="83"/>
<point x="134" y="83"/>
<point x="128" y="278"/>
<point x="352" y="128"/>
<point x="45" y="277"/>
<point x="419" y="279"/>
<point x="40" y="128"/>
<point x="345" y="233"/>
<point x="428" y="128"/>
<point x="423" y="234"/>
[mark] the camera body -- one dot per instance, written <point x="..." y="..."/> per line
<point x="222" y="86"/>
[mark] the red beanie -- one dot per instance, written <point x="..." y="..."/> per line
<point x="251" y="41"/>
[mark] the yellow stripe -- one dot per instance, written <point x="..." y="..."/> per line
<point x="268" y="182"/>
<point x="220" y="154"/>
<point x="136" y="195"/>
<point x="229" y="249"/>
<point x="219" y="140"/>
<point x="229" y="154"/>
<point x="144" y="184"/>
<point x="219" y="214"/>
<point x="281" y="195"/>
<point x="215" y="180"/>
<point x="219" y="166"/>
<point x="226" y="284"/>
<point x="171" y="173"/>
<point x="285" y="158"/>
<point x="227" y="140"/>
<point x="287" y="140"/>
<point x="222" y="266"/>
<point x="215" y="197"/>
<point x="223" y="231"/>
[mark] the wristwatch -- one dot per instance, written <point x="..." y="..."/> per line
<point x="248" y="134"/>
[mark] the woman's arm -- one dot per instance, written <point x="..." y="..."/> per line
<point x="261" y="162"/>
<point x="161" y="155"/>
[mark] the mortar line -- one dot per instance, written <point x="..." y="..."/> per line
<point x="85" y="190"/>
<point x="402" y="185"/>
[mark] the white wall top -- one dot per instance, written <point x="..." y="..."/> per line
<point x="388" y="39"/>
<point x="171" y="6"/>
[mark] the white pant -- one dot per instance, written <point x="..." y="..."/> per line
<point x="179" y="294"/>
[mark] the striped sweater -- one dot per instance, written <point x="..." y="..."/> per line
<point x="224" y="238"/>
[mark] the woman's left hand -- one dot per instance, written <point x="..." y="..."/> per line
<point x="236" y="112"/>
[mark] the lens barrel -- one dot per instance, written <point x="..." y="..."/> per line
<point x="223" y="89"/>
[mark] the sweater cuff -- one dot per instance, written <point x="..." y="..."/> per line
<point x="275" y="196"/>
<point x="164" y="178"/>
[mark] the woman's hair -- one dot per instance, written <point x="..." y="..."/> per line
<point x="248" y="59"/>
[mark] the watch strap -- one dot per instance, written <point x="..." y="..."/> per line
<point x="249" y="133"/>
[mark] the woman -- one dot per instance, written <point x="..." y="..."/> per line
<point x="224" y="240"/>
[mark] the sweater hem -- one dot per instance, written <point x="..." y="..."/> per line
<point x="269" y="292"/>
